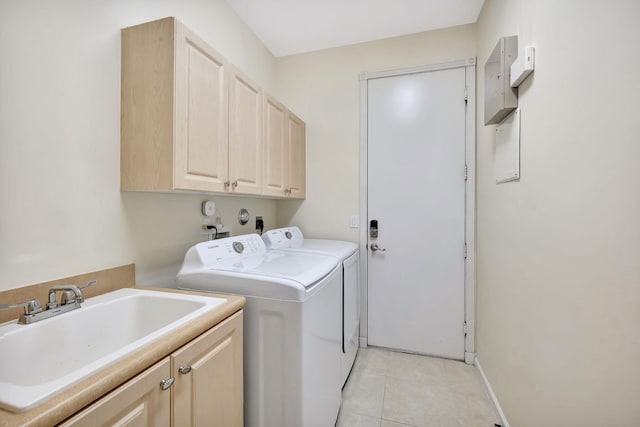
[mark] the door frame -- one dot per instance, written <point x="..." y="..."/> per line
<point x="469" y="65"/>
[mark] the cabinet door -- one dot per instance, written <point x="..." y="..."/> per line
<point x="275" y="151"/>
<point x="296" y="140"/>
<point x="245" y="135"/>
<point x="138" y="403"/>
<point x="147" y="127"/>
<point x="201" y="104"/>
<point x="209" y="392"/>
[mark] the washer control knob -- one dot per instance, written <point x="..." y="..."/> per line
<point x="238" y="247"/>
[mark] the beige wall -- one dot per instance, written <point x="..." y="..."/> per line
<point x="61" y="212"/>
<point x="324" y="89"/>
<point x="558" y="269"/>
<point x="558" y="272"/>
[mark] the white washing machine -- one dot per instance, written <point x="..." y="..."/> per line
<point x="292" y="239"/>
<point x="291" y="326"/>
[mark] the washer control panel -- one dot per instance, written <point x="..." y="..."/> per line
<point x="230" y="248"/>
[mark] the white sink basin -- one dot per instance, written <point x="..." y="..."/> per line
<point x="39" y="360"/>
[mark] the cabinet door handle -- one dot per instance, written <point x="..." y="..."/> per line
<point x="184" y="369"/>
<point x="226" y="183"/>
<point x="234" y="183"/>
<point x="165" y="384"/>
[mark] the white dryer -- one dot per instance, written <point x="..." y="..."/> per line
<point x="291" y="326"/>
<point x="292" y="239"/>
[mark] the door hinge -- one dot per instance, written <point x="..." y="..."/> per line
<point x="466" y="98"/>
<point x="465" y="250"/>
<point x="465" y="328"/>
<point x="466" y="172"/>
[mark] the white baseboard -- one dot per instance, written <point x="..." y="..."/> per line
<point x="469" y="358"/>
<point x="492" y="396"/>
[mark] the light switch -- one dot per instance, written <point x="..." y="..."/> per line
<point x="354" y="221"/>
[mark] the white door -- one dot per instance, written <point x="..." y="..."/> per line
<point x="416" y="193"/>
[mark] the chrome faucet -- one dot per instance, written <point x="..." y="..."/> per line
<point x="71" y="298"/>
<point x="31" y="309"/>
<point x="70" y="294"/>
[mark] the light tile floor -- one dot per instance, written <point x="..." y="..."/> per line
<point x="392" y="389"/>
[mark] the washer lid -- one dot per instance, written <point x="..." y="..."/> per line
<point x="301" y="267"/>
<point x="249" y="269"/>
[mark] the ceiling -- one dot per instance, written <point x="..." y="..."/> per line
<point x="288" y="27"/>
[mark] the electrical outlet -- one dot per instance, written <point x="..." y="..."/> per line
<point x="259" y="223"/>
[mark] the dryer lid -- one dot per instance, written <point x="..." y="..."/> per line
<point x="292" y="238"/>
<point x="339" y="248"/>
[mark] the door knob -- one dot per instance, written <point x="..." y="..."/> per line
<point x="376" y="248"/>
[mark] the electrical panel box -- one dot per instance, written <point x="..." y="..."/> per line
<point x="499" y="97"/>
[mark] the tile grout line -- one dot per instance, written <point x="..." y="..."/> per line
<point x="443" y="382"/>
<point x="384" y="390"/>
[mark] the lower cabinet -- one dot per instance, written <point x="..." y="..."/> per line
<point x="139" y="402"/>
<point x="208" y="372"/>
<point x="199" y="384"/>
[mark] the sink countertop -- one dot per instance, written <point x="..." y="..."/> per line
<point x="77" y="397"/>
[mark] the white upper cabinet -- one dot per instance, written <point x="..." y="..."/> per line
<point x="192" y="121"/>
<point x="174" y="110"/>
<point x="296" y="141"/>
<point x="284" y="157"/>
<point x="201" y="108"/>
<point x="275" y="149"/>
<point x="245" y="135"/>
